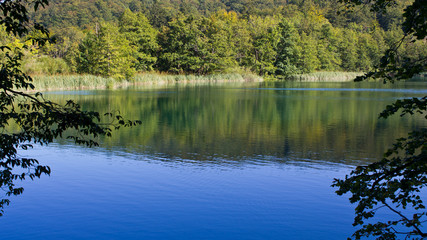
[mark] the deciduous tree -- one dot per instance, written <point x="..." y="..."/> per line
<point x="395" y="182"/>
<point x="27" y="119"/>
<point x="106" y="52"/>
<point x="136" y="28"/>
<point x="288" y="53"/>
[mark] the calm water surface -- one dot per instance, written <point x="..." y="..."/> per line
<point x="233" y="161"/>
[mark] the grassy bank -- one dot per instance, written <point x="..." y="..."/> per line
<point x="422" y="77"/>
<point x="76" y="82"/>
<point x="326" y="77"/>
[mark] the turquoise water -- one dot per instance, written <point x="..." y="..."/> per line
<point x="212" y="162"/>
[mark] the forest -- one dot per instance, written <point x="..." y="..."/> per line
<point x="119" y="39"/>
<point x="280" y="38"/>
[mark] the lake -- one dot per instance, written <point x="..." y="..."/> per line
<point x="229" y="161"/>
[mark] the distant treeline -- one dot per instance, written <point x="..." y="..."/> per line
<point x="117" y="38"/>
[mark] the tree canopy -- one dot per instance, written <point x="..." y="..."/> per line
<point x="27" y="118"/>
<point x="221" y="36"/>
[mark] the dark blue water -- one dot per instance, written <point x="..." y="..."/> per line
<point x="260" y="167"/>
<point x="99" y="195"/>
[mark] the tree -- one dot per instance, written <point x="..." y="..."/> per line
<point x="348" y="50"/>
<point x="327" y="48"/>
<point x="27" y="119"/>
<point x="107" y="53"/>
<point x="161" y="13"/>
<point x="142" y="36"/>
<point x="394" y="183"/>
<point x="308" y="61"/>
<point x="264" y="34"/>
<point x="196" y="46"/>
<point x="183" y="46"/>
<point x="287" y="51"/>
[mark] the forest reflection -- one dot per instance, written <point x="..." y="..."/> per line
<point x="256" y="122"/>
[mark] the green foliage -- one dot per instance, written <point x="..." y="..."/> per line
<point x="395" y="182"/>
<point x="45" y="65"/>
<point x="238" y="37"/>
<point x="228" y="35"/>
<point x="395" y="65"/>
<point x="195" y="46"/>
<point x="107" y="53"/>
<point x="348" y="50"/>
<point x="82" y="14"/>
<point x="65" y="45"/>
<point x="233" y="34"/>
<point x="308" y="61"/>
<point x="265" y="38"/>
<point x="182" y="46"/>
<point x="142" y="37"/>
<point x="27" y="119"/>
<point x="327" y="48"/>
<point x="230" y="40"/>
<point x="161" y="13"/>
<point x="288" y="53"/>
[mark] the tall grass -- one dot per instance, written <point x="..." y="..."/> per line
<point x="159" y="78"/>
<point x="421" y="77"/>
<point x="71" y="82"/>
<point x="326" y="77"/>
<point x="75" y="82"/>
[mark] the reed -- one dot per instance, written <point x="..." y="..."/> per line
<point x="71" y="82"/>
<point x="421" y="77"/>
<point x="77" y="82"/>
<point x="159" y="78"/>
<point x="326" y="77"/>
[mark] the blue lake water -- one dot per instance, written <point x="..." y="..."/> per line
<point x="212" y="162"/>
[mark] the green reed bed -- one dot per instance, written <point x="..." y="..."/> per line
<point x="421" y="77"/>
<point x="76" y="82"/>
<point x="156" y="78"/>
<point x="326" y="77"/>
<point x="71" y="82"/>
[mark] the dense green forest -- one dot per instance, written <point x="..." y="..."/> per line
<point x="118" y="38"/>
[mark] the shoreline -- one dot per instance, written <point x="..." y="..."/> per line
<point x="326" y="77"/>
<point x="92" y="82"/>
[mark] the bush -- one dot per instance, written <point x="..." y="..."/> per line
<point x="45" y="65"/>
